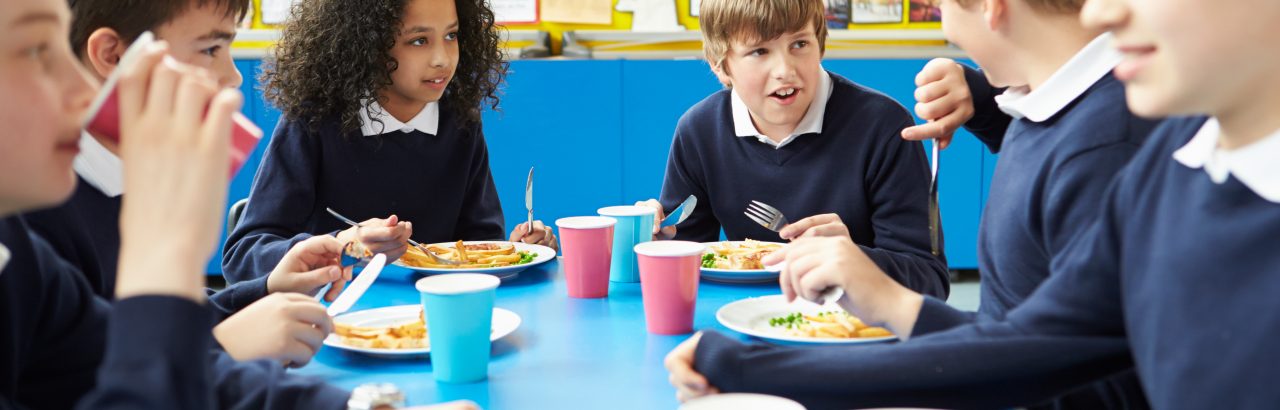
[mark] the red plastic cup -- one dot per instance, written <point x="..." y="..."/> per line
<point x="587" y="244"/>
<point x="669" y="284"/>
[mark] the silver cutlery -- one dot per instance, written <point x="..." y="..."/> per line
<point x="412" y="242"/>
<point x="935" y="217"/>
<point x="769" y="217"/>
<point x="681" y="212"/>
<point x="528" y="200"/>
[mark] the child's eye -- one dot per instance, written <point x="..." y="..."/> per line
<point x="453" y="36"/>
<point x="38" y="53"/>
<point x="757" y="52"/>
<point x="800" y="44"/>
<point x="420" y="41"/>
<point x="211" y="51"/>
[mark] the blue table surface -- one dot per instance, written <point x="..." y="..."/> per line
<point x="567" y="353"/>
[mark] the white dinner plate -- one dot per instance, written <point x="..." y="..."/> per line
<point x="738" y="275"/>
<point x="544" y="254"/>
<point x="751" y="317"/>
<point x="504" y="322"/>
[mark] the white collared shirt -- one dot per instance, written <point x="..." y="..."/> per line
<point x="1256" y="165"/>
<point x="810" y="124"/>
<point x="1071" y="80"/>
<point x="427" y="120"/>
<point x="4" y="257"/>
<point x="99" y="167"/>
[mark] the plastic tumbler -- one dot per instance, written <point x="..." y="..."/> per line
<point x="459" y="315"/>
<point x="587" y="246"/>
<point x="669" y="284"/>
<point x="635" y="226"/>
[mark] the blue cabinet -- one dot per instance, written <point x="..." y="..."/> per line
<point x="599" y="131"/>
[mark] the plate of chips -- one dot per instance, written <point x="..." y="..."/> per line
<point x="499" y="258"/>
<point x="738" y="261"/>
<point x="775" y="320"/>
<point x="399" y="331"/>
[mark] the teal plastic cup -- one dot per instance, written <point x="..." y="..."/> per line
<point x="459" y="315"/>
<point x="634" y="227"/>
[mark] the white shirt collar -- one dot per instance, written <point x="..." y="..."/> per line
<point x="1255" y="165"/>
<point x="4" y="257"/>
<point x="99" y="167"/>
<point x="427" y="121"/>
<point x="1075" y="77"/>
<point x="810" y="124"/>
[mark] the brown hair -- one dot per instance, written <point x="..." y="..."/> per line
<point x="723" y="21"/>
<point x="334" y="56"/>
<point x="1051" y="6"/>
<point x="130" y="18"/>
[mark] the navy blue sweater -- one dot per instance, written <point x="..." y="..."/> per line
<point x="858" y="167"/>
<point x="1177" y="276"/>
<point x="1045" y="192"/>
<point x="440" y="183"/>
<point x="64" y="347"/>
<point x="85" y="231"/>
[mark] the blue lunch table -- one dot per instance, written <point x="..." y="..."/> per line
<point x="566" y="354"/>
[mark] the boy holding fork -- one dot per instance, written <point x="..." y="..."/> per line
<point x="792" y="135"/>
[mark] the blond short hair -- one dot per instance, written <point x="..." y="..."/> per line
<point x="1052" y="6"/>
<point x="723" y="21"/>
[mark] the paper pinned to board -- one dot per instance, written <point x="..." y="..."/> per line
<point x="276" y="12"/>
<point x="514" y="11"/>
<point x="651" y="15"/>
<point x="578" y="11"/>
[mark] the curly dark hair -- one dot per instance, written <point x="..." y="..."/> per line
<point x="334" y="54"/>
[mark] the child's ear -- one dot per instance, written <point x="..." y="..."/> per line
<point x="720" y="71"/>
<point x="103" y="51"/>
<point x="994" y="13"/>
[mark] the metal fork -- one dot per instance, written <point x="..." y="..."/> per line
<point x="769" y="217"/>
<point x="441" y="259"/>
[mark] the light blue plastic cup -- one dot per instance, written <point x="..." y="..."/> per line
<point x="635" y="226"/>
<point x="459" y="315"/>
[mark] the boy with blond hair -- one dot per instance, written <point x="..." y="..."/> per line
<point x="788" y="133"/>
<point x="1183" y="243"/>
<point x="1063" y="132"/>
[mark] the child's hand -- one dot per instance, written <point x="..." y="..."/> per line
<point x="815" y="265"/>
<point x="828" y="225"/>
<point x="942" y="98"/>
<point x="659" y="234"/>
<point x="388" y="236"/>
<point x="688" y="382"/>
<point x="541" y="235"/>
<point x="175" y="156"/>
<point x="310" y="265"/>
<point x="284" y="327"/>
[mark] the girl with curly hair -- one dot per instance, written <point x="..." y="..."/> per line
<point x="381" y="103"/>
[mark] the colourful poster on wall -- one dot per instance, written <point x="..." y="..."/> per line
<point x="925" y="11"/>
<point x="877" y="11"/>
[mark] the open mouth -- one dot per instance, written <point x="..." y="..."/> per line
<point x="785" y="96"/>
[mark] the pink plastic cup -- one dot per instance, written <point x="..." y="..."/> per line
<point x="669" y="284"/>
<point x="587" y="243"/>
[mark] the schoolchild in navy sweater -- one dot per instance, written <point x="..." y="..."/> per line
<point x="806" y="141"/>
<point x="1175" y="277"/>
<point x="391" y="136"/>
<point x="63" y="346"/>
<point x="56" y="333"/>
<point x="85" y="230"/>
